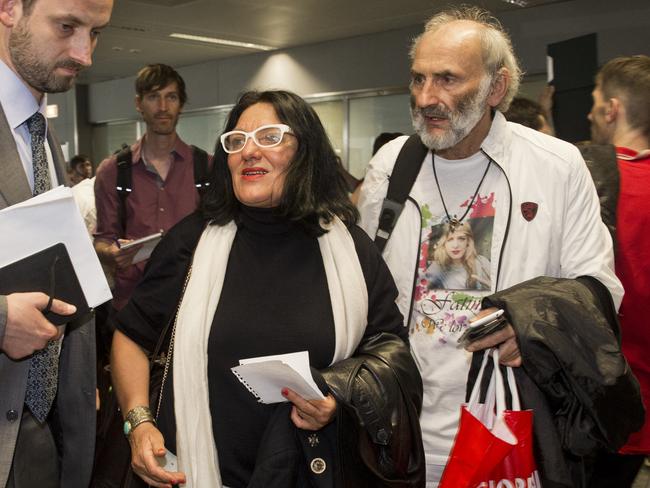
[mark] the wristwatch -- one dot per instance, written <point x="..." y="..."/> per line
<point x="135" y="417"/>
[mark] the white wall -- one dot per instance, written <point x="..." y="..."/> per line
<point x="380" y="60"/>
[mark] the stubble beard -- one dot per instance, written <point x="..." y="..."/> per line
<point x="162" y="128"/>
<point x="469" y="110"/>
<point x="37" y="74"/>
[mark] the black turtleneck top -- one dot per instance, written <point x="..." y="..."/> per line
<point x="274" y="300"/>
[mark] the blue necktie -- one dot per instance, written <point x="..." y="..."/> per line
<point x="43" y="375"/>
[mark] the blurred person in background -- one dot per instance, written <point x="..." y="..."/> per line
<point x="528" y="113"/>
<point x="619" y="159"/>
<point x="81" y="168"/>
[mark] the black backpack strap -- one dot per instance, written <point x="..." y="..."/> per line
<point x="201" y="172"/>
<point x="123" y="184"/>
<point x="406" y="169"/>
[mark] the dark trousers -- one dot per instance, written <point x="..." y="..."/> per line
<point x="112" y="451"/>
<point x="36" y="460"/>
<point x="612" y="470"/>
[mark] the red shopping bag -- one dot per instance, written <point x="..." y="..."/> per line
<point x="484" y="438"/>
<point x="518" y="468"/>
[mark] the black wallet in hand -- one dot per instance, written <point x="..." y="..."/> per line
<point x="51" y="272"/>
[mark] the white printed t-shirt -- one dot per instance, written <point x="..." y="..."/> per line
<point x="453" y="276"/>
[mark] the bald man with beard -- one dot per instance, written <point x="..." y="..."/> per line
<point x="534" y="216"/>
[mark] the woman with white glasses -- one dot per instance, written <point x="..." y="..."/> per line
<point x="277" y="266"/>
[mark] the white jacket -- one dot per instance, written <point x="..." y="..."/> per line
<point x="566" y="239"/>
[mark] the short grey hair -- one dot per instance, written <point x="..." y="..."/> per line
<point x="496" y="45"/>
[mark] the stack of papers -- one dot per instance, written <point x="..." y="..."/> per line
<point x="266" y="376"/>
<point x="48" y="219"/>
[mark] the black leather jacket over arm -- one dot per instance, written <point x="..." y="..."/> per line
<point x="375" y="440"/>
<point x="379" y="392"/>
<point x="573" y="375"/>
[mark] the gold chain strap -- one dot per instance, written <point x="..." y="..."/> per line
<point x="170" y="350"/>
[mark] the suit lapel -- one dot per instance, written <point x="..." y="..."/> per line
<point x="14" y="186"/>
<point x="57" y="156"/>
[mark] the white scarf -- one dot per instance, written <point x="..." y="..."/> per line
<point x="197" y="453"/>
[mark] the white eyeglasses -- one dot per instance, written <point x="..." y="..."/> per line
<point x="265" y="136"/>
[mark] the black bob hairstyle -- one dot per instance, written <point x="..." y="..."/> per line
<point x="314" y="186"/>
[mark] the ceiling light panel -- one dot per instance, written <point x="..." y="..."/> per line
<point x="221" y="42"/>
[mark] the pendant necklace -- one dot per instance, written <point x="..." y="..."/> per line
<point x="455" y="221"/>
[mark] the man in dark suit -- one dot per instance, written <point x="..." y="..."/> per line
<point x="47" y="375"/>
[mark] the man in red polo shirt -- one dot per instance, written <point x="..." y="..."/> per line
<point x="621" y="116"/>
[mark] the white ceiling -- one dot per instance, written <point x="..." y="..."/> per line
<point x="139" y="29"/>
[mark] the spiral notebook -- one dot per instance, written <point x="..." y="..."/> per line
<point x="266" y="376"/>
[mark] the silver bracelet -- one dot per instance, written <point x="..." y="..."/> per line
<point x="136" y="416"/>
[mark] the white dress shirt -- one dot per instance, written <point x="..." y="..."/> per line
<point x="19" y="105"/>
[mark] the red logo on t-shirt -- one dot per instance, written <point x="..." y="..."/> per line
<point x="529" y="210"/>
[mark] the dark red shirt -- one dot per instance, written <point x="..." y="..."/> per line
<point x="153" y="206"/>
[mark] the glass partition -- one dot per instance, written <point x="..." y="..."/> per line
<point x="332" y="115"/>
<point x="369" y="117"/>
<point x="108" y="138"/>
<point x="202" y="129"/>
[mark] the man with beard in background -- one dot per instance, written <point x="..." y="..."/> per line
<point x="163" y="180"/>
<point x="47" y="433"/>
<point x="527" y="197"/>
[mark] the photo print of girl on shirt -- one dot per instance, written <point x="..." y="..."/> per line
<point x="454" y="272"/>
<point x="456" y="256"/>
